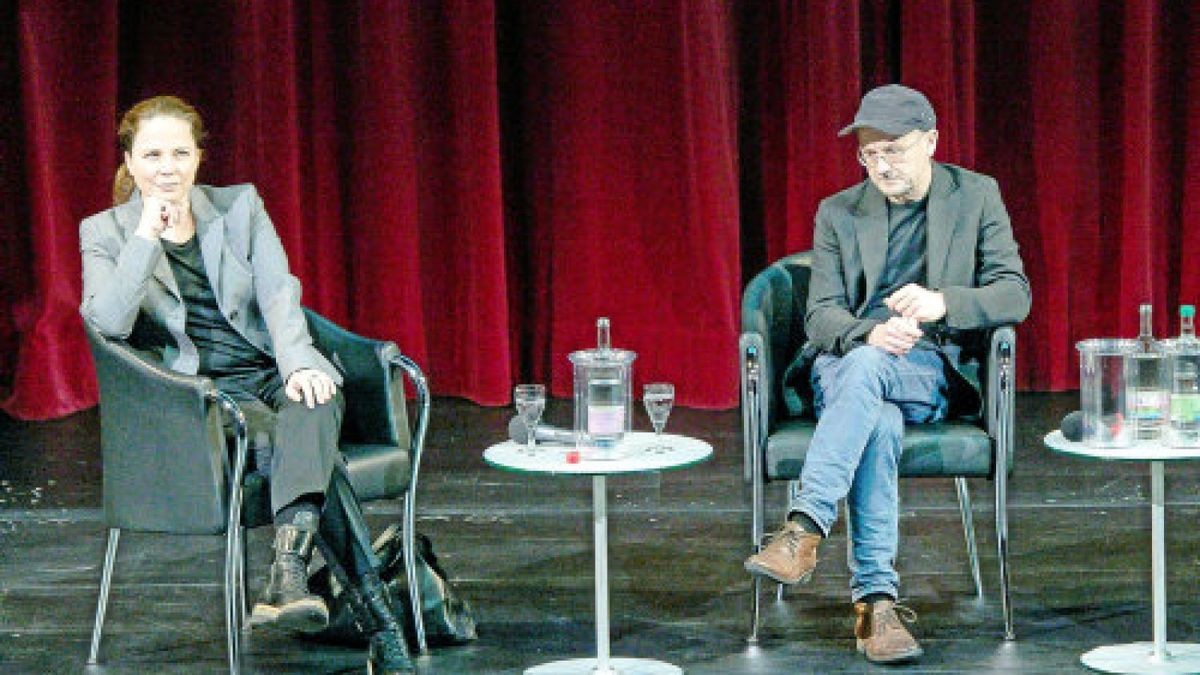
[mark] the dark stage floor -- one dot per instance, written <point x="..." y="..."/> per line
<point x="520" y="549"/>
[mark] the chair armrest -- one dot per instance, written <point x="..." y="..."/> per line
<point x="373" y="382"/>
<point x="1000" y="392"/>
<point x="127" y="370"/>
<point x="773" y="307"/>
<point x="375" y="410"/>
<point x="772" y="329"/>
<point x="751" y="355"/>
<point x="421" y="387"/>
<point x="163" y="446"/>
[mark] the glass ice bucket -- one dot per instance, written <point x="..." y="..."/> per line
<point x="603" y="398"/>
<point x="1102" y="391"/>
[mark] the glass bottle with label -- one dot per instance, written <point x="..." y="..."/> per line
<point x="1184" y="430"/>
<point x="1147" y="382"/>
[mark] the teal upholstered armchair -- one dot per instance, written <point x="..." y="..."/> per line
<point x="773" y="308"/>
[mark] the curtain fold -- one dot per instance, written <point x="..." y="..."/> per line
<point x="1063" y="215"/>
<point x="1187" y="160"/>
<point x="631" y="172"/>
<point x="286" y="141"/>
<point x="424" y="196"/>
<point x="61" y="117"/>
<point x="938" y="58"/>
<point x="479" y="181"/>
<point x="811" y="84"/>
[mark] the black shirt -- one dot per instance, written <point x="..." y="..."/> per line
<point x="906" y="258"/>
<point x="223" y="351"/>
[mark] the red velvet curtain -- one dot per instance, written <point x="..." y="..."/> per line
<point x="478" y="181"/>
<point x="61" y="57"/>
<point x="1085" y="114"/>
<point x="805" y="89"/>
<point x="626" y="114"/>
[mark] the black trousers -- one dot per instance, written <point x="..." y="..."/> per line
<point x="296" y="447"/>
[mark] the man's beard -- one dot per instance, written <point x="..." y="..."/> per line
<point x="898" y="186"/>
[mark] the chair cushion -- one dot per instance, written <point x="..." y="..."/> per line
<point x="377" y="471"/>
<point x="944" y="449"/>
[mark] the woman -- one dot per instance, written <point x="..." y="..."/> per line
<point x="197" y="274"/>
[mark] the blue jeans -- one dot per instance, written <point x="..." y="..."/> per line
<point x="862" y="401"/>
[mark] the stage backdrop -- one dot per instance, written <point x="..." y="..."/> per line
<point x="478" y="180"/>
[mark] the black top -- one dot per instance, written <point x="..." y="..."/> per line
<point x="223" y="351"/>
<point x="906" y="258"/>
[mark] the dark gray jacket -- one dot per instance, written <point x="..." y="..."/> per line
<point x="971" y="258"/>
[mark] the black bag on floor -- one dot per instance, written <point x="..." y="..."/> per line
<point x="448" y="617"/>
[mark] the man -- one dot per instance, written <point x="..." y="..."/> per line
<point x="905" y="266"/>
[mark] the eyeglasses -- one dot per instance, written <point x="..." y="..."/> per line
<point x="893" y="153"/>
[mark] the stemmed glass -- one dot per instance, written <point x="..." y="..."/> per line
<point x="530" y="400"/>
<point x="658" y="398"/>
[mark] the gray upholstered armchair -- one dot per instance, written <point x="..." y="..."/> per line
<point x="773" y="309"/>
<point x="175" y="452"/>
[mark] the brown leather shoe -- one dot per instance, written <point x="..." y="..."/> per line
<point x="789" y="558"/>
<point x="880" y="635"/>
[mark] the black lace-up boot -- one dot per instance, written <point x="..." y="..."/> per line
<point x="372" y="607"/>
<point x="287" y="602"/>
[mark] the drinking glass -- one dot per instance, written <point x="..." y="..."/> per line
<point x="530" y="400"/>
<point x="658" y="398"/>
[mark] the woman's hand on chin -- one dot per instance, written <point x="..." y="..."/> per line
<point x="157" y="215"/>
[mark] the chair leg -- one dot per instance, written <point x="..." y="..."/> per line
<point x="968" y="522"/>
<point x="1002" y="550"/>
<point x="756" y="589"/>
<point x="110" y="559"/>
<point x="232" y="591"/>
<point x="756" y="539"/>
<point x="243" y="560"/>
<point x="234" y="532"/>
<point x="750" y="347"/>
<point x="1002" y="374"/>
<point x="409" y="540"/>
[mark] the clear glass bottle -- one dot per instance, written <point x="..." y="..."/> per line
<point x="1184" y="430"/>
<point x="1147" y="383"/>
<point x="603" y="334"/>
<point x="606" y="393"/>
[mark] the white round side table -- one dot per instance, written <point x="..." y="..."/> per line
<point x="637" y="452"/>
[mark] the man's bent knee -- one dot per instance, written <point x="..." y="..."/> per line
<point x="867" y="356"/>
<point x="866" y="363"/>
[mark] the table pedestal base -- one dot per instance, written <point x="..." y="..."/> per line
<point x="615" y="667"/>
<point x="1137" y="657"/>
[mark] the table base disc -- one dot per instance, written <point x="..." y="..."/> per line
<point x="1182" y="657"/>
<point x="616" y="667"/>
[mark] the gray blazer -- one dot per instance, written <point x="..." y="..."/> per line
<point x="129" y="290"/>
<point x="971" y="258"/>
